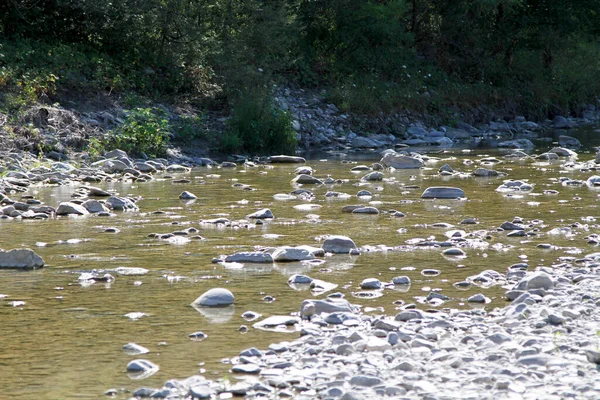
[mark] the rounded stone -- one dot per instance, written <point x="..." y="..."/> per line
<point x="215" y="297"/>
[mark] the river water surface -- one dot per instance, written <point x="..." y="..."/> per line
<point x="63" y="340"/>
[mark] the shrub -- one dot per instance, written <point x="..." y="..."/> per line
<point x="146" y="130"/>
<point x="258" y="126"/>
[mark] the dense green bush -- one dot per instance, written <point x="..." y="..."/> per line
<point x="258" y="126"/>
<point x="145" y="131"/>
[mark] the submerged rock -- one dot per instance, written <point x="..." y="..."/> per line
<point x="286" y="159"/>
<point x="250" y="257"/>
<point x="400" y="161"/>
<point x="264" y="213"/>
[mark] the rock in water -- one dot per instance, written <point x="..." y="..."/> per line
<point x="265" y="213"/>
<point x="214" y="298"/>
<point x="286" y="159"/>
<point x="399" y="161"/>
<point x="20" y="258"/>
<point x="338" y="244"/>
<point x="442" y="192"/>
<point x="291" y="254"/>
<point x="66" y="208"/>
<point x="187" y="196"/>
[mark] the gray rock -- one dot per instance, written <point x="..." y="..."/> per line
<point x="300" y="279"/>
<point x="509" y="226"/>
<point x="399" y="161"/>
<point x="201" y="391"/>
<point x="287" y="159"/>
<point x="454" y="252"/>
<point x="68" y="208"/>
<point x="442" y="192"/>
<point x="477" y="298"/>
<point x="338" y="245"/>
<point x="307" y="180"/>
<point x="185" y="195"/>
<point x="539" y="280"/>
<point x="407" y="315"/>
<point x="371" y="283"/>
<point x="372" y="177"/>
<point x="401" y="280"/>
<point x="484" y="172"/>
<point x="214" y="298"/>
<point x="134" y="348"/>
<point x="276" y="320"/>
<point x="563" y="152"/>
<point x="285" y="254"/>
<point x="264" y="213"/>
<point x="94" y="206"/>
<point x="20" y="258"/>
<point x="560" y="122"/>
<point x="364" y="142"/>
<point x="141" y="366"/>
<point x="365" y="210"/>
<point x="246" y="369"/>
<point x="568" y="141"/>
<point x="250" y="257"/>
<point x="365" y="380"/>
<point x="329" y="305"/>
<point x="121" y="204"/>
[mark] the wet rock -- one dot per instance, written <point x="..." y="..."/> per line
<point x="454" y="252"/>
<point x="121" y="204"/>
<point x="275" y="321"/>
<point x="68" y="208"/>
<point x="330" y="305"/>
<point x="484" y="172"/>
<point x="374" y="176"/>
<point x="442" y="192"/>
<point x="399" y="161"/>
<point x="134" y="349"/>
<point x="538" y="280"/>
<point x="563" y="152"/>
<point x="477" y="298"/>
<point x="338" y="245"/>
<point x="351" y="208"/>
<point x="362" y="193"/>
<point x="401" y="280"/>
<point x="96" y="192"/>
<point x="284" y="254"/>
<point x="517" y="144"/>
<point x="509" y="226"/>
<point x="286" y="159"/>
<point x="201" y="392"/>
<point x="21" y="259"/>
<point x="446" y="168"/>
<point x="300" y="279"/>
<point x="304" y="179"/>
<point x="198" y="336"/>
<point x="141" y="366"/>
<point x="264" y="213"/>
<point x="568" y="141"/>
<point x="365" y="210"/>
<point x="250" y="257"/>
<point x="371" y="283"/>
<point x="94" y="206"/>
<point x="214" y="298"/>
<point x="305" y="170"/>
<point x="187" y="196"/>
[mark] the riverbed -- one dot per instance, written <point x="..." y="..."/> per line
<point x="63" y="338"/>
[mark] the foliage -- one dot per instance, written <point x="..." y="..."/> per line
<point x="258" y="126"/>
<point x="145" y="131"/>
<point x="533" y="57"/>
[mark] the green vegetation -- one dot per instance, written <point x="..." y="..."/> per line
<point x="145" y="131"/>
<point x="439" y="58"/>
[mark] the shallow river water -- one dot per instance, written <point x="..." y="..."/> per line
<point x="63" y="340"/>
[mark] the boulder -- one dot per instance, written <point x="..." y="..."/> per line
<point x="364" y="142"/>
<point x="372" y="177"/>
<point x="568" y="141"/>
<point x="67" y="208"/>
<point x="185" y="195"/>
<point x="121" y="204"/>
<point x="214" y="298"/>
<point x="338" y="244"/>
<point x="442" y="192"/>
<point x="94" y="206"/>
<point x="400" y="161"/>
<point x="20" y="258"/>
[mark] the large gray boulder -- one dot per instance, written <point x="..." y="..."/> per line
<point x="20" y="258"/>
<point x="94" y="206"/>
<point x="400" y="161"/>
<point x="67" y="208"/>
<point x="214" y="298"/>
<point x="338" y="244"/>
<point x="442" y="192"/>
